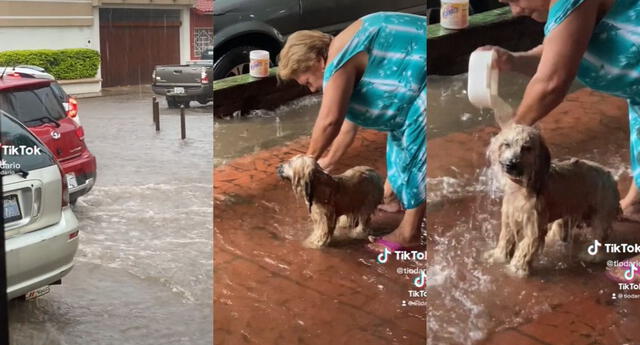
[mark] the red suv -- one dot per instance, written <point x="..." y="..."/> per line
<point x="35" y="103"/>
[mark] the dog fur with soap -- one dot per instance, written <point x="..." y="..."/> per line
<point x="540" y="194"/>
<point x="352" y="196"/>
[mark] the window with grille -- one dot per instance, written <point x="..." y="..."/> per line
<point x="202" y="39"/>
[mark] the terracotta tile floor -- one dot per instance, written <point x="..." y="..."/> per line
<point x="269" y="290"/>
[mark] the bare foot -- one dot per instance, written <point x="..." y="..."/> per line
<point x="396" y="237"/>
<point x="630" y="210"/>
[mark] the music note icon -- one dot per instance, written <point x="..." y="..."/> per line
<point x="630" y="273"/>
<point x="384" y="256"/>
<point x="420" y="280"/>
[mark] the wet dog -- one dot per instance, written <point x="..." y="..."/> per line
<point x="355" y="194"/>
<point x="538" y="192"/>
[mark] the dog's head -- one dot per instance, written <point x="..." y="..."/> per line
<point x="300" y="171"/>
<point x="521" y="154"/>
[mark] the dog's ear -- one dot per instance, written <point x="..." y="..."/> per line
<point x="542" y="166"/>
<point x="308" y="191"/>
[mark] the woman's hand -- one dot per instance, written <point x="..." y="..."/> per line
<point x="326" y="165"/>
<point x="505" y="59"/>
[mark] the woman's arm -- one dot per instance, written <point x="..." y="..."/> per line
<point x="561" y="55"/>
<point x="340" y="145"/>
<point x="527" y="62"/>
<point x="335" y="101"/>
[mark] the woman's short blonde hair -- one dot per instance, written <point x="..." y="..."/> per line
<point x="302" y="49"/>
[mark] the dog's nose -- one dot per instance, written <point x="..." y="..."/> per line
<point x="512" y="166"/>
<point x="280" y="170"/>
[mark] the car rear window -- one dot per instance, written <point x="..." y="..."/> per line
<point x="13" y="135"/>
<point x="31" y="106"/>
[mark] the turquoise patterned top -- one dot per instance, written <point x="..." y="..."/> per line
<point x="396" y="73"/>
<point x="611" y="63"/>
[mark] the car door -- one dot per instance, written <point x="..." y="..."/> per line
<point x="335" y="15"/>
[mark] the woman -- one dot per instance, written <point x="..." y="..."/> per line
<point x="373" y="74"/>
<point x="596" y="40"/>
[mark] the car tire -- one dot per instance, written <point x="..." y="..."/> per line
<point x="232" y="63"/>
<point x="203" y="100"/>
<point x="186" y="103"/>
<point x="172" y="102"/>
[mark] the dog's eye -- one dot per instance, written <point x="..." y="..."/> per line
<point x="506" y="145"/>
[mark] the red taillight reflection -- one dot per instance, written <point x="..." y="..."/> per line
<point x="73" y="235"/>
<point x="73" y="108"/>
<point x="204" y="79"/>
<point x="80" y="132"/>
<point x="14" y="75"/>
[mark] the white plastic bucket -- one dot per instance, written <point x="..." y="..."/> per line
<point x="259" y="63"/>
<point x="482" y="86"/>
<point x="454" y="14"/>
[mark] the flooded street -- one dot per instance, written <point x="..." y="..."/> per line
<point x="564" y="301"/>
<point x="144" y="268"/>
<point x="263" y="129"/>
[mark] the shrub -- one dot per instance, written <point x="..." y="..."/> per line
<point x="63" y="64"/>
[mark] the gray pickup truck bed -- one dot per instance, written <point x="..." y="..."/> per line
<point x="181" y="84"/>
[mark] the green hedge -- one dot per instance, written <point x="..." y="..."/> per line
<point x="63" y="64"/>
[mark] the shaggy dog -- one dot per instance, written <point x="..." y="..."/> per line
<point x="538" y="192"/>
<point x="355" y="194"/>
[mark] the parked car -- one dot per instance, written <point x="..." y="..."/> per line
<point x="245" y="25"/>
<point x="181" y="84"/>
<point x="69" y="103"/>
<point x="35" y="103"/>
<point x="40" y="230"/>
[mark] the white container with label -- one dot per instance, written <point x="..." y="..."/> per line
<point x="454" y="14"/>
<point x="259" y="63"/>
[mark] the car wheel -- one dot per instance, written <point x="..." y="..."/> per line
<point x="232" y="63"/>
<point x="171" y="102"/>
<point x="203" y="100"/>
<point x="186" y="103"/>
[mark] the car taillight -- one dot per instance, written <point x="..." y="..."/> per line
<point x="204" y="79"/>
<point x="65" y="187"/>
<point x="80" y="132"/>
<point x="73" y="108"/>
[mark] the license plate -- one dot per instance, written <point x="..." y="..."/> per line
<point x="178" y="90"/>
<point x="37" y="293"/>
<point x="11" y="208"/>
<point x="71" y="180"/>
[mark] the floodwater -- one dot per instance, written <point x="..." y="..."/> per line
<point x="472" y="302"/>
<point x="144" y="268"/>
<point x="263" y="129"/>
<point x="269" y="288"/>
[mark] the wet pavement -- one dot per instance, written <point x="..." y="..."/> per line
<point x="270" y="290"/>
<point x="144" y="268"/>
<point x="563" y="301"/>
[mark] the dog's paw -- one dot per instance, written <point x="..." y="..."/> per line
<point x="518" y="271"/>
<point x="315" y="243"/>
<point x="494" y="257"/>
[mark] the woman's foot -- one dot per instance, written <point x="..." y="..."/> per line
<point x="406" y="235"/>
<point x="630" y="210"/>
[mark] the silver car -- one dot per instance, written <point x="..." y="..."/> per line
<point x="41" y="231"/>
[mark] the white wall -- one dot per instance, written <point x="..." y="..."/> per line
<point x="18" y="38"/>
<point x="185" y="37"/>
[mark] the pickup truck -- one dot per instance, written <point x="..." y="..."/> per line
<point x="181" y="84"/>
